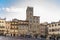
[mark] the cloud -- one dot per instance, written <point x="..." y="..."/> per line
<point x="48" y="10"/>
<point x="13" y="9"/>
<point x="13" y="12"/>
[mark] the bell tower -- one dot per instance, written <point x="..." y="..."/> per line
<point x="29" y="13"/>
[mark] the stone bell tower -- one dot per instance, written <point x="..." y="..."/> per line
<point x="29" y="13"/>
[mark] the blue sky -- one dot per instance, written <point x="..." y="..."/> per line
<point x="6" y="3"/>
<point x="48" y="10"/>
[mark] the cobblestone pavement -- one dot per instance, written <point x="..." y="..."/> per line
<point x="18" y="38"/>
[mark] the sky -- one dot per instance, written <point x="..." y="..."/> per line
<point x="48" y="10"/>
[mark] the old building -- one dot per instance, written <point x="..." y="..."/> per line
<point x="33" y="21"/>
<point x="17" y="27"/>
<point x="7" y="28"/>
<point x="2" y="26"/>
<point x="30" y="26"/>
<point x="36" y="27"/>
<point x="29" y="17"/>
<point x="14" y="27"/>
<point x="43" y="29"/>
<point x="54" y="30"/>
<point x="29" y="13"/>
<point x="23" y="27"/>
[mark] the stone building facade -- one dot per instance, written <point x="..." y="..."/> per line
<point x="54" y="30"/>
<point x="30" y="26"/>
<point x="7" y="28"/>
<point x="43" y="29"/>
<point x="2" y="26"/>
<point x="16" y="27"/>
<point x="34" y="21"/>
<point x="23" y="27"/>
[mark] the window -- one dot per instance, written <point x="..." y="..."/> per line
<point x="49" y="25"/>
<point x="52" y="25"/>
<point x="53" y="30"/>
<point x="57" y="29"/>
<point x="37" y="21"/>
<point x="55" y="25"/>
<point x="12" y="22"/>
<point x="2" y="22"/>
<point x="59" y="24"/>
<point x="30" y="13"/>
<point x="15" y="23"/>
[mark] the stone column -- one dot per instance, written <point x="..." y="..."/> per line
<point x="56" y="38"/>
<point x="48" y="37"/>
